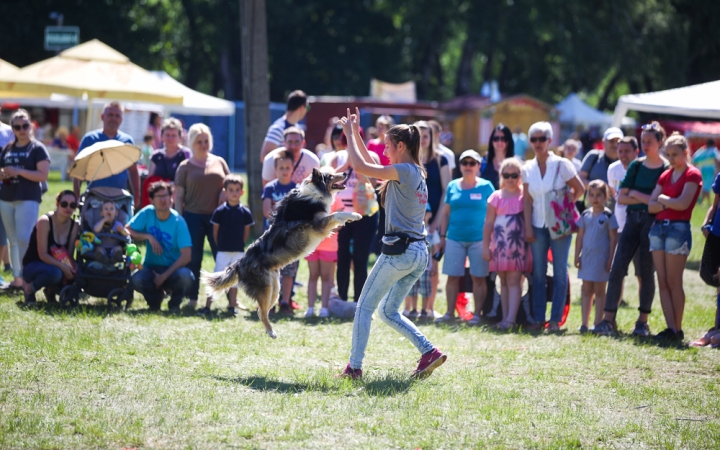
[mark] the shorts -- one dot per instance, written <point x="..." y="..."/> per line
<point x="322" y="255"/>
<point x="455" y="254"/>
<point x="290" y="270"/>
<point x="673" y="238"/>
<point x="423" y="285"/>
<point x="224" y="259"/>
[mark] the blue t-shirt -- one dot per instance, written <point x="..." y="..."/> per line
<point x="467" y="210"/>
<point x="232" y="221"/>
<point x="120" y="180"/>
<point x="172" y="234"/>
<point x="715" y="226"/>
<point x="275" y="192"/>
<point x="6" y="135"/>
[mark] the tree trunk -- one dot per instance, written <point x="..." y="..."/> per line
<point x="464" y="75"/>
<point x="257" y="97"/>
<point x="192" y="74"/>
<point x="603" y="103"/>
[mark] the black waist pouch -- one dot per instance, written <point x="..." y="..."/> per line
<point x="396" y="244"/>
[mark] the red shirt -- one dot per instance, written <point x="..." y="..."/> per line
<point x="674" y="190"/>
<point x="378" y="147"/>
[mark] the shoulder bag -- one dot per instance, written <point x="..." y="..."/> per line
<point x="561" y="214"/>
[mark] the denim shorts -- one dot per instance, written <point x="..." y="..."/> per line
<point x="455" y="254"/>
<point x="673" y="238"/>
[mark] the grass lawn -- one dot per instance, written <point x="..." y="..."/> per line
<point x="89" y="377"/>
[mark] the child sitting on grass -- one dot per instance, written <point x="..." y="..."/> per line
<point x="594" y="250"/>
<point x="227" y="220"/>
<point x="109" y="224"/>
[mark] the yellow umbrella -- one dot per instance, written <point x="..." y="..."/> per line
<point x="90" y="69"/>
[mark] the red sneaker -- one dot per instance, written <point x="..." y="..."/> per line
<point x="353" y="374"/>
<point x="294" y="304"/>
<point x="429" y="362"/>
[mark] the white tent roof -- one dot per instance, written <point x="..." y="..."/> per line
<point x="574" y="110"/>
<point x="195" y="102"/>
<point x="700" y="100"/>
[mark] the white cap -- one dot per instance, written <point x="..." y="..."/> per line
<point x="471" y="154"/>
<point x="612" y="133"/>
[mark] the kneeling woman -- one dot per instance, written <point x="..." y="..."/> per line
<point x="53" y="232"/>
<point x="404" y="195"/>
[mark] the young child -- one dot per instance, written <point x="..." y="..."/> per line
<point x="146" y="150"/>
<point x="273" y="192"/>
<point x="109" y="224"/>
<point x="322" y="263"/>
<point x="227" y="220"/>
<point x="423" y="286"/>
<point x="504" y="243"/>
<point x="594" y="250"/>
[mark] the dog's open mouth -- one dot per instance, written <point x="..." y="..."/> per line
<point x="340" y="185"/>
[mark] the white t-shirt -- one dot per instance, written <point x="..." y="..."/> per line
<point x="539" y="186"/>
<point x="6" y="135"/>
<point x="447" y="153"/>
<point x="616" y="174"/>
<point x="303" y="168"/>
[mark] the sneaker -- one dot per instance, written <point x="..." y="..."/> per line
<point x="295" y="305"/>
<point x="285" y="308"/>
<point x="8" y="268"/>
<point x="423" y="316"/>
<point x="30" y="300"/>
<point x="447" y="318"/>
<point x="413" y="315"/>
<point x="583" y="329"/>
<point x="553" y="327"/>
<point x="475" y="321"/>
<point x="429" y="362"/>
<point x="353" y="374"/>
<point x="642" y="329"/>
<point x="310" y="312"/>
<point x="670" y="335"/>
<point x="405" y="312"/>
<point x="50" y="294"/>
<point x="605" y="328"/>
<point x="680" y="336"/>
<point x="232" y="311"/>
<point x="204" y="311"/>
<point x="324" y="312"/>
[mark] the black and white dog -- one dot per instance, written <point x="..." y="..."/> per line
<point x="300" y="222"/>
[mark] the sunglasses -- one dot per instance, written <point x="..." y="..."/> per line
<point x="25" y="126"/>
<point x="499" y="139"/>
<point x="650" y="126"/>
<point x="468" y="162"/>
<point x="65" y="204"/>
<point x="538" y="139"/>
<point x="514" y="176"/>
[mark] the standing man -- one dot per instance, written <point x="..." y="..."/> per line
<point x="295" y="111"/>
<point x="304" y="161"/>
<point x="167" y="250"/>
<point x="595" y="164"/>
<point x="112" y="117"/>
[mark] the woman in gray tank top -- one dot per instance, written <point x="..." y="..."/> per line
<point x="404" y="258"/>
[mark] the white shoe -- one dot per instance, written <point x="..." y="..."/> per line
<point x="324" y="312"/>
<point x="310" y="312"/>
<point x="406" y="312"/>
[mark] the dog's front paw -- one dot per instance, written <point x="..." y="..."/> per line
<point x="354" y="216"/>
<point x="272" y="334"/>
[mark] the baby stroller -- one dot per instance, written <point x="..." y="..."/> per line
<point x="111" y="281"/>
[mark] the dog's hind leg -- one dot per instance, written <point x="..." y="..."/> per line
<point x="267" y="300"/>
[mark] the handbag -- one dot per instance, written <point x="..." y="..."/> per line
<point x="561" y="214"/>
<point x="364" y="197"/>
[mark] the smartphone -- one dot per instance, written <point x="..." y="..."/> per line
<point x="438" y="255"/>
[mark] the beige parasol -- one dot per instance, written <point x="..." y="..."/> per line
<point x="104" y="159"/>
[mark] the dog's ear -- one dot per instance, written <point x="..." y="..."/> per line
<point x="316" y="175"/>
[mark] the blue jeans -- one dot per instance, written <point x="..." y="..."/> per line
<point x="560" y="251"/>
<point x="200" y="228"/>
<point x="389" y="282"/>
<point x="19" y="218"/>
<point x="179" y="283"/>
<point x="41" y="275"/>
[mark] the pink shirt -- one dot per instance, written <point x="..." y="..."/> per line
<point x="377" y="146"/>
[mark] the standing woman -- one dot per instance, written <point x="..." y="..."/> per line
<point x="24" y="164"/>
<point x="54" y="230"/>
<point x="154" y="127"/>
<point x="640" y="181"/>
<point x="500" y="146"/>
<point x="673" y="199"/>
<point x="165" y="161"/>
<point x="545" y="173"/>
<point x="462" y="223"/>
<point x="199" y="191"/>
<point x="405" y="255"/>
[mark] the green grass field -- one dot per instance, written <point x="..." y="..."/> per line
<point x="93" y="378"/>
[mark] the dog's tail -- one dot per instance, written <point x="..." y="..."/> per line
<point x="220" y="281"/>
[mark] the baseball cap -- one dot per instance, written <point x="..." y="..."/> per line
<point x="612" y="133"/>
<point x="471" y="154"/>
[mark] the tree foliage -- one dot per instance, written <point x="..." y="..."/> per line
<point x="545" y="48"/>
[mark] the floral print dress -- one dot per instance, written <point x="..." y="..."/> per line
<point x="510" y="252"/>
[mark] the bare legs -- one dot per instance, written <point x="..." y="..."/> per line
<point x="590" y="289"/>
<point x="669" y="269"/>
<point x="510" y="293"/>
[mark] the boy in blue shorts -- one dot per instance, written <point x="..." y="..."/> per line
<point x="273" y="192"/>
<point x="227" y="219"/>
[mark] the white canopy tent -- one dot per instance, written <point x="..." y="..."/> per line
<point x="700" y="100"/>
<point x="195" y="102"/>
<point x="574" y="110"/>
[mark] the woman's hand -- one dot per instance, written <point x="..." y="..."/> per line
<point x="577" y="262"/>
<point x="529" y="235"/>
<point x="67" y="272"/>
<point x="12" y="172"/>
<point x="608" y="265"/>
<point x="487" y="255"/>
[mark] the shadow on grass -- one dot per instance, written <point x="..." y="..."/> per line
<point x="387" y="386"/>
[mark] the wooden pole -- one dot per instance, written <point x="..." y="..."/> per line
<point x="256" y="94"/>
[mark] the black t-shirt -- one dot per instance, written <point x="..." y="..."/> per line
<point x="232" y="221"/>
<point x="434" y="183"/>
<point x="27" y="157"/>
<point x="489" y="173"/>
<point x="166" y="167"/>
